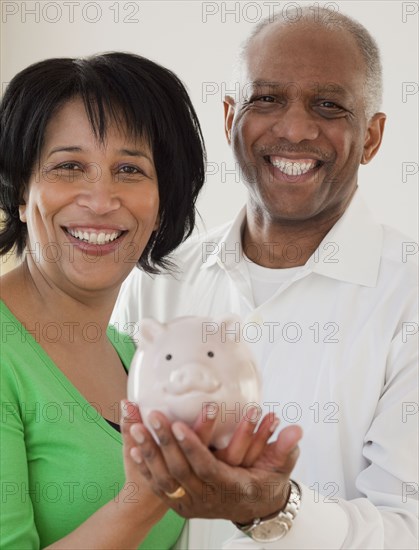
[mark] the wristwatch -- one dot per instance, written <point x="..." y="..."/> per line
<point x="274" y="528"/>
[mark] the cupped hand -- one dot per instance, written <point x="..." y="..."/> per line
<point x="213" y="488"/>
<point x="247" y="442"/>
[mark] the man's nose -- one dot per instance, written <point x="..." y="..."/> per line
<point x="99" y="192"/>
<point x="295" y="123"/>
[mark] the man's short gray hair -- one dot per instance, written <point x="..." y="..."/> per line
<point x="334" y="20"/>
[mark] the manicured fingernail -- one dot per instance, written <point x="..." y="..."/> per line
<point x="211" y="411"/>
<point x="252" y="414"/>
<point x="123" y="409"/>
<point x="274" y="425"/>
<point x="137" y="434"/>
<point x="154" y="421"/>
<point x="178" y="432"/>
<point x="136" y="455"/>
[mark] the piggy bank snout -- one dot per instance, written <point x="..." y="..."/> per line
<point x="192" y="377"/>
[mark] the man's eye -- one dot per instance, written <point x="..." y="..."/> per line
<point x="264" y="99"/>
<point x="330" y="105"/>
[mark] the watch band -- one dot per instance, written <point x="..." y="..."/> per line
<point x="274" y="528"/>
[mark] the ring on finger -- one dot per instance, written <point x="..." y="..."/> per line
<point x="179" y="493"/>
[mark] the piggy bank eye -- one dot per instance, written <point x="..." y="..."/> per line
<point x="168" y="356"/>
<point x="210" y="354"/>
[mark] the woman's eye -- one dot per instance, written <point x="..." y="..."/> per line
<point x="68" y="166"/>
<point x="128" y="169"/>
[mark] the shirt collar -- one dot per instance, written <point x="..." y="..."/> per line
<point x="225" y="251"/>
<point x="350" y="251"/>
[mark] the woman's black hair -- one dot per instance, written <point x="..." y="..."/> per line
<point x="153" y="104"/>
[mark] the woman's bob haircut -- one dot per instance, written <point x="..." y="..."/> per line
<point x="148" y="100"/>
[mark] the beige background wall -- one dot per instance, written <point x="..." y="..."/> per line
<point x="198" y="40"/>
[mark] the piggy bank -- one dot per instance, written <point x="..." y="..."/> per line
<point x="181" y="366"/>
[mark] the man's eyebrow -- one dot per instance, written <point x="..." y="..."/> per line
<point x="264" y="83"/>
<point x="324" y="88"/>
<point x="330" y="88"/>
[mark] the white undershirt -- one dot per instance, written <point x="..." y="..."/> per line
<point x="266" y="281"/>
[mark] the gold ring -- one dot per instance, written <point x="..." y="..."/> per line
<point x="179" y="493"/>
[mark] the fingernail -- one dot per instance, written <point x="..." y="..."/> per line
<point x="178" y="432"/>
<point x="123" y="409"/>
<point x="154" y="421"/>
<point x="136" y="455"/>
<point x="211" y="411"/>
<point x="274" y="425"/>
<point x="252" y="414"/>
<point x="137" y="434"/>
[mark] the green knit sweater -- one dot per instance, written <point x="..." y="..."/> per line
<point x="60" y="460"/>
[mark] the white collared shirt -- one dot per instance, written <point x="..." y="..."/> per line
<point x="337" y="348"/>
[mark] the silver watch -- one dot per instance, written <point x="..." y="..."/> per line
<point x="268" y="530"/>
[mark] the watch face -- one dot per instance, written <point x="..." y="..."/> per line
<point x="271" y="530"/>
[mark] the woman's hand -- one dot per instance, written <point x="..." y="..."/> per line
<point x="135" y="490"/>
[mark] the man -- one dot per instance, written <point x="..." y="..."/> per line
<point x="326" y="300"/>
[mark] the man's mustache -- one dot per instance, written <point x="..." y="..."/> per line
<point x="283" y="149"/>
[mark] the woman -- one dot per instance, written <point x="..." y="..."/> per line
<point x="101" y="161"/>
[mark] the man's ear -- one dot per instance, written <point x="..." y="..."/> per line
<point x="229" y="110"/>
<point x="373" y="137"/>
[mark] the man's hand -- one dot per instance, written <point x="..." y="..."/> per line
<point x="214" y="489"/>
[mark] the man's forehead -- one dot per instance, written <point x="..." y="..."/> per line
<point x="308" y="42"/>
<point x="311" y="56"/>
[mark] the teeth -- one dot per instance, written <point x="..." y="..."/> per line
<point x="293" y="168"/>
<point x="101" y="238"/>
<point x="94" y="238"/>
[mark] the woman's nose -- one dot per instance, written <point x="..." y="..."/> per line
<point x="99" y="192"/>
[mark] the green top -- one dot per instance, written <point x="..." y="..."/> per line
<point x="60" y="460"/>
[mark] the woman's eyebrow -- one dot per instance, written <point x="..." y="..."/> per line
<point x="78" y="149"/>
<point x="134" y="153"/>
<point x="67" y="148"/>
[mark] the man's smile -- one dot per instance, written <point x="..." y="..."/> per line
<point x="293" y="167"/>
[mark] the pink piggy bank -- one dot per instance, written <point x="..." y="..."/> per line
<point x="192" y="361"/>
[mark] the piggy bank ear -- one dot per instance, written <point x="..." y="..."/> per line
<point x="230" y="328"/>
<point x="149" y="331"/>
